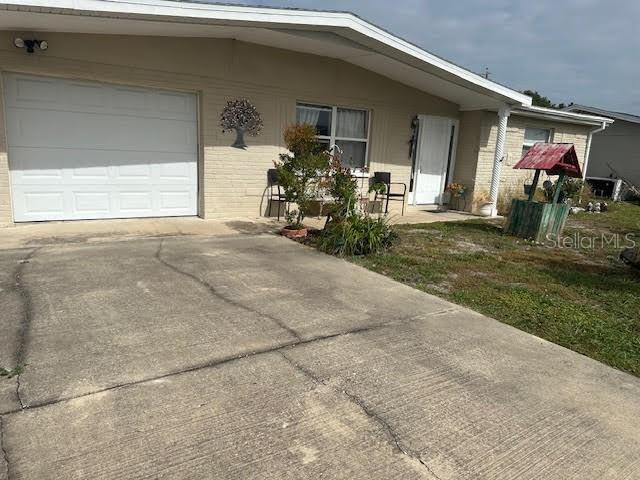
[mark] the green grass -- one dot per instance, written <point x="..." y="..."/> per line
<point x="583" y="298"/>
<point x="15" y="371"/>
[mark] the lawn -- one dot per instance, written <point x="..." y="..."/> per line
<point x="580" y="296"/>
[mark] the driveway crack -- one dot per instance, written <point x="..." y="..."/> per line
<point x="27" y="317"/>
<point x="221" y="296"/>
<point x="202" y="366"/>
<point x="392" y="436"/>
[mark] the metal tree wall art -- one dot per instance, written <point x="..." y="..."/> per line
<point x="243" y="117"/>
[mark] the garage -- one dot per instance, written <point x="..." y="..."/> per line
<point x="87" y="150"/>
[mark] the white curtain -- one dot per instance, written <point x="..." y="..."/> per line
<point x="308" y="115"/>
<point x="352" y="123"/>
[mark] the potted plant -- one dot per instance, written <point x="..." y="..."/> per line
<point x="484" y="204"/>
<point x="380" y="190"/>
<point x="456" y="192"/>
<point x="240" y="115"/>
<point x="299" y="173"/>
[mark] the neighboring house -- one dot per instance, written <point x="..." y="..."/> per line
<point x="119" y="116"/>
<point x="615" y="152"/>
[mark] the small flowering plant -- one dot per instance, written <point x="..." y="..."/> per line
<point x="456" y="189"/>
<point x="242" y="116"/>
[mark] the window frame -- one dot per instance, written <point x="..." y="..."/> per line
<point x="333" y="138"/>
<point x="529" y="144"/>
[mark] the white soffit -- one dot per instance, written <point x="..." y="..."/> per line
<point x="332" y="34"/>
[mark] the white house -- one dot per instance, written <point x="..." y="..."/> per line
<point x="111" y="108"/>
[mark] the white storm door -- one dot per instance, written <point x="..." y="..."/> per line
<point x="436" y="144"/>
<point x="87" y="150"/>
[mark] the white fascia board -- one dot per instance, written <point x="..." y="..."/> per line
<point x="627" y="117"/>
<point x="561" y="116"/>
<point x="256" y="16"/>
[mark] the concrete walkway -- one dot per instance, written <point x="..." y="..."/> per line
<point x="242" y="357"/>
<point x="91" y="231"/>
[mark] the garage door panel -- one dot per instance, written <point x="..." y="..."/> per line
<point x="91" y="202"/>
<point x="37" y="203"/>
<point x="135" y="202"/>
<point x="35" y="167"/>
<point x="133" y="100"/>
<point x="85" y="96"/>
<point x="33" y="91"/>
<point x="137" y="173"/>
<point x="178" y="200"/>
<point x="83" y="175"/>
<point x="88" y="150"/>
<point x="23" y="91"/>
<point x="175" y="172"/>
<point x="56" y="129"/>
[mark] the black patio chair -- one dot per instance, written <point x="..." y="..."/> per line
<point x="275" y="191"/>
<point x="385" y="178"/>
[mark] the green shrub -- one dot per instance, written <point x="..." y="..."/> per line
<point x="299" y="174"/>
<point x="572" y="189"/>
<point x="343" y="188"/>
<point x="357" y="235"/>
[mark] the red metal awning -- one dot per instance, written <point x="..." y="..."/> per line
<point x="553" y="158"/>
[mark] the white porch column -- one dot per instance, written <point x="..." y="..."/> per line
<point x="503" y="118"/>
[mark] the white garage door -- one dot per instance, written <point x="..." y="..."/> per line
<point x="83" y="150"/>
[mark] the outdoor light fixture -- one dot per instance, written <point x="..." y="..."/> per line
<point x="31" y="45"/>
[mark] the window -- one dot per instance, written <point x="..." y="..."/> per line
<point x="346" y="128"/>
<point x="533" y="136"/>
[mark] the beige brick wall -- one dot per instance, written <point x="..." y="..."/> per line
<point x="510" y="179"/>
<point x="232" y="181"/>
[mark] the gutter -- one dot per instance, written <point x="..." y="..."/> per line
<point x="561" y="116"/>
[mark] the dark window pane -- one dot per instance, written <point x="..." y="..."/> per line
<point x="319" y="117"/>
<point x="535" y="135"/>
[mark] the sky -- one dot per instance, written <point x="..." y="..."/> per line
<point x="582" y="51"/>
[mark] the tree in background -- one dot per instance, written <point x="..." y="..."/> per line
<point x="542" y="101"/>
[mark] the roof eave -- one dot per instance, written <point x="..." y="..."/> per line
<point x="337" y="22"/>
<point x="562" y="116"/>
<point x="619" y="116"/>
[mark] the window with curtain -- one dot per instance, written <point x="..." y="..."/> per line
<point x="533" y="136"/>
<point x="346" y="128"/>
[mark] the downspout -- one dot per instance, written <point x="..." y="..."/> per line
<point x="501" y="135"/>
<point x="587" y="150"/>
<point x="587" y="153"/>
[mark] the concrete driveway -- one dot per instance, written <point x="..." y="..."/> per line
<point x="254" y="357"/>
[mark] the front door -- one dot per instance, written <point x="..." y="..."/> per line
<point x="437" y="138"/>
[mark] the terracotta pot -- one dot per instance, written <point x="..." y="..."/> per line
<point x="294" y="233"/>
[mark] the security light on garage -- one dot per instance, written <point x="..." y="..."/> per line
<point x="31" y="45"/>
